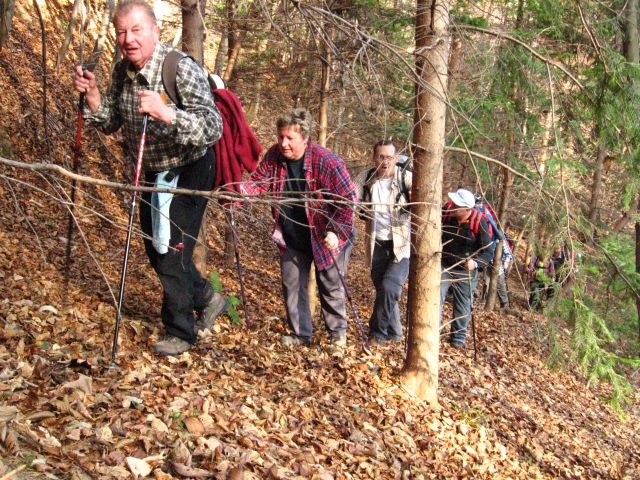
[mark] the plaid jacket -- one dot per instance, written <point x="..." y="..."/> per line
<point x="327" y="179"/>
<point x="196" y="127"/>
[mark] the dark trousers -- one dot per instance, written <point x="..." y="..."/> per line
<point x="184" y="288"/>
<point x="388" y="277"/>
<point x="295" y="267"/>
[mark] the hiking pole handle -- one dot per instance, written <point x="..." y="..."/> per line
<point x="132" y="211"/>
<point x="365" y="340"/>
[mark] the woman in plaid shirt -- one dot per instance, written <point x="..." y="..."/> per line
<point x="179" y="149"/>
<point x="305" y="230"/>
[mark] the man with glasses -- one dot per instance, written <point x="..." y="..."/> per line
<point x="383" y="191"/>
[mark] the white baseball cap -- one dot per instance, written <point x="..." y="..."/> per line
<point x="462" y="198"/>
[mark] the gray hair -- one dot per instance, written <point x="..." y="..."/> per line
<point x="125" y="6"/>
<point x="298" y="117"/>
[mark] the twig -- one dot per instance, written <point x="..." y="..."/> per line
<point x="526" y="47"/>
<point x="9" y="475"/>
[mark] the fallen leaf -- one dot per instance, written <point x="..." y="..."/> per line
<point x="191" y="472"/>
<point x="138" y="467"/>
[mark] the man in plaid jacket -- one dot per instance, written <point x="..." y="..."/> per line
<point x="178" y="150"/>
<point x="313" y="216"/>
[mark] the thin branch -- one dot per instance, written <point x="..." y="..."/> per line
<point x="539" y="56"/>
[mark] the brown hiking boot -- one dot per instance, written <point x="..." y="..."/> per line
<point x="170" y="345"/>
<point x="216" y="307"/>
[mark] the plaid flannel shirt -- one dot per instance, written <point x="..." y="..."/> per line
<point x="197" y="124"/>
<point x="327" y="179"/>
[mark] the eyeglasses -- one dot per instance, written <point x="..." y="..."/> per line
<point x="385" y="158"/>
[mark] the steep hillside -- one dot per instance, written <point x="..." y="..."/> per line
<point x="239" y="405"/>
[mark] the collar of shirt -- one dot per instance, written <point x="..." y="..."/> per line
<point x="150" y="69"/>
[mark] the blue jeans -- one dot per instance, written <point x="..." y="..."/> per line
<point x="388" y="277"/>
<point x="463" y="283"/>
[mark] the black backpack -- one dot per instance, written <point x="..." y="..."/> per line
<point x="170" y="70"/>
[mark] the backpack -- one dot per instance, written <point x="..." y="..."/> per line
<point x="402" y="167"/>
<point x="474" y="220"/>
<point x="238" y="150"/>
<point x="170" y="71"/>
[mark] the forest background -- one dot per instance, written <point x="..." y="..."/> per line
<point x="541" y="100"/>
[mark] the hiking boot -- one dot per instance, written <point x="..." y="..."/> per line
<point x="339" y="340"/>
<point x="457" y="345"/>
<point x="216" y="307"/>
<point x="293" y="341"/>
<point x="170" y="345"/>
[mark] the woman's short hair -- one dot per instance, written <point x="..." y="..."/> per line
<point x="298" y="117"/>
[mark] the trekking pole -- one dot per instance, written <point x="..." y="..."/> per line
<point x="473" y="321"/>
<point x="77" y="155"/>
<point x="365" y="341"/>
<point x="77" y="152"/>
<point x="234" y="234"/>
<point x="136" y="181"/>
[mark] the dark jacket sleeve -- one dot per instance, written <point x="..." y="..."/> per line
<point x="484" y="253"/>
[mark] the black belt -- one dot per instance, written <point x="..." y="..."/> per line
<point x="384" y="243"/>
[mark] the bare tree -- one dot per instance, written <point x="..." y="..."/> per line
<point x="7" y="8"/>
<point x="432" y="38"/>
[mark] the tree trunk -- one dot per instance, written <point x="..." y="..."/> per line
<point x="193" y="44"/>
<point x="77" y="7"/>
<point x="631" y="51"/>
<point x="323" y="125"/>
<point x="596" y="189"/>
<point x="501" y="220"/>
<point x="7" y="7"/>
<point x="638" y="267"/>
<point x="630" y="46"/>
<point x="420" y="370"/>
<point x="193" y="28"/>
<point x="235" y="37"/>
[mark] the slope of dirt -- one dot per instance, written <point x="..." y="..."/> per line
<point x="239" y="405"/>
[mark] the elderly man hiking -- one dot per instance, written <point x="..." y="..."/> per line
<point x="466" y="249"/>
<point x="178" y="153"/>
<point x="383" y="191"/>
<point x="308" y="231"/>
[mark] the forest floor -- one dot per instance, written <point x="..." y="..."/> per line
<point x="240" y="405"/>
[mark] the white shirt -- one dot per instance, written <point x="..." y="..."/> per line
<point x="381" y="199"/>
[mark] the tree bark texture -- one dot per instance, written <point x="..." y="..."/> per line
<point x="596" y="189"/>
<point x="193" y="44"/>
<point x="507" y="183"/>
<point x="7" y="7"/>
<point x="193" y="28"/>
<point x="420" y="371"/>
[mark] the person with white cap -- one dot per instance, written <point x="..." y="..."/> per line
<point x="466" y="249"/>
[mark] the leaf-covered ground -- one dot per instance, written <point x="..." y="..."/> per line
<point x="239" y="405"/>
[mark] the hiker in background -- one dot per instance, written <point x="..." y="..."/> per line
<point x="501" y="287"/>
<point x="310" y="230"/>
<point x="383" y="193"/>
<point x="558" y="258"/>
<point x="466" y="249"/>
<point x="541" y="273"/>
<point x="179" y="153"/>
